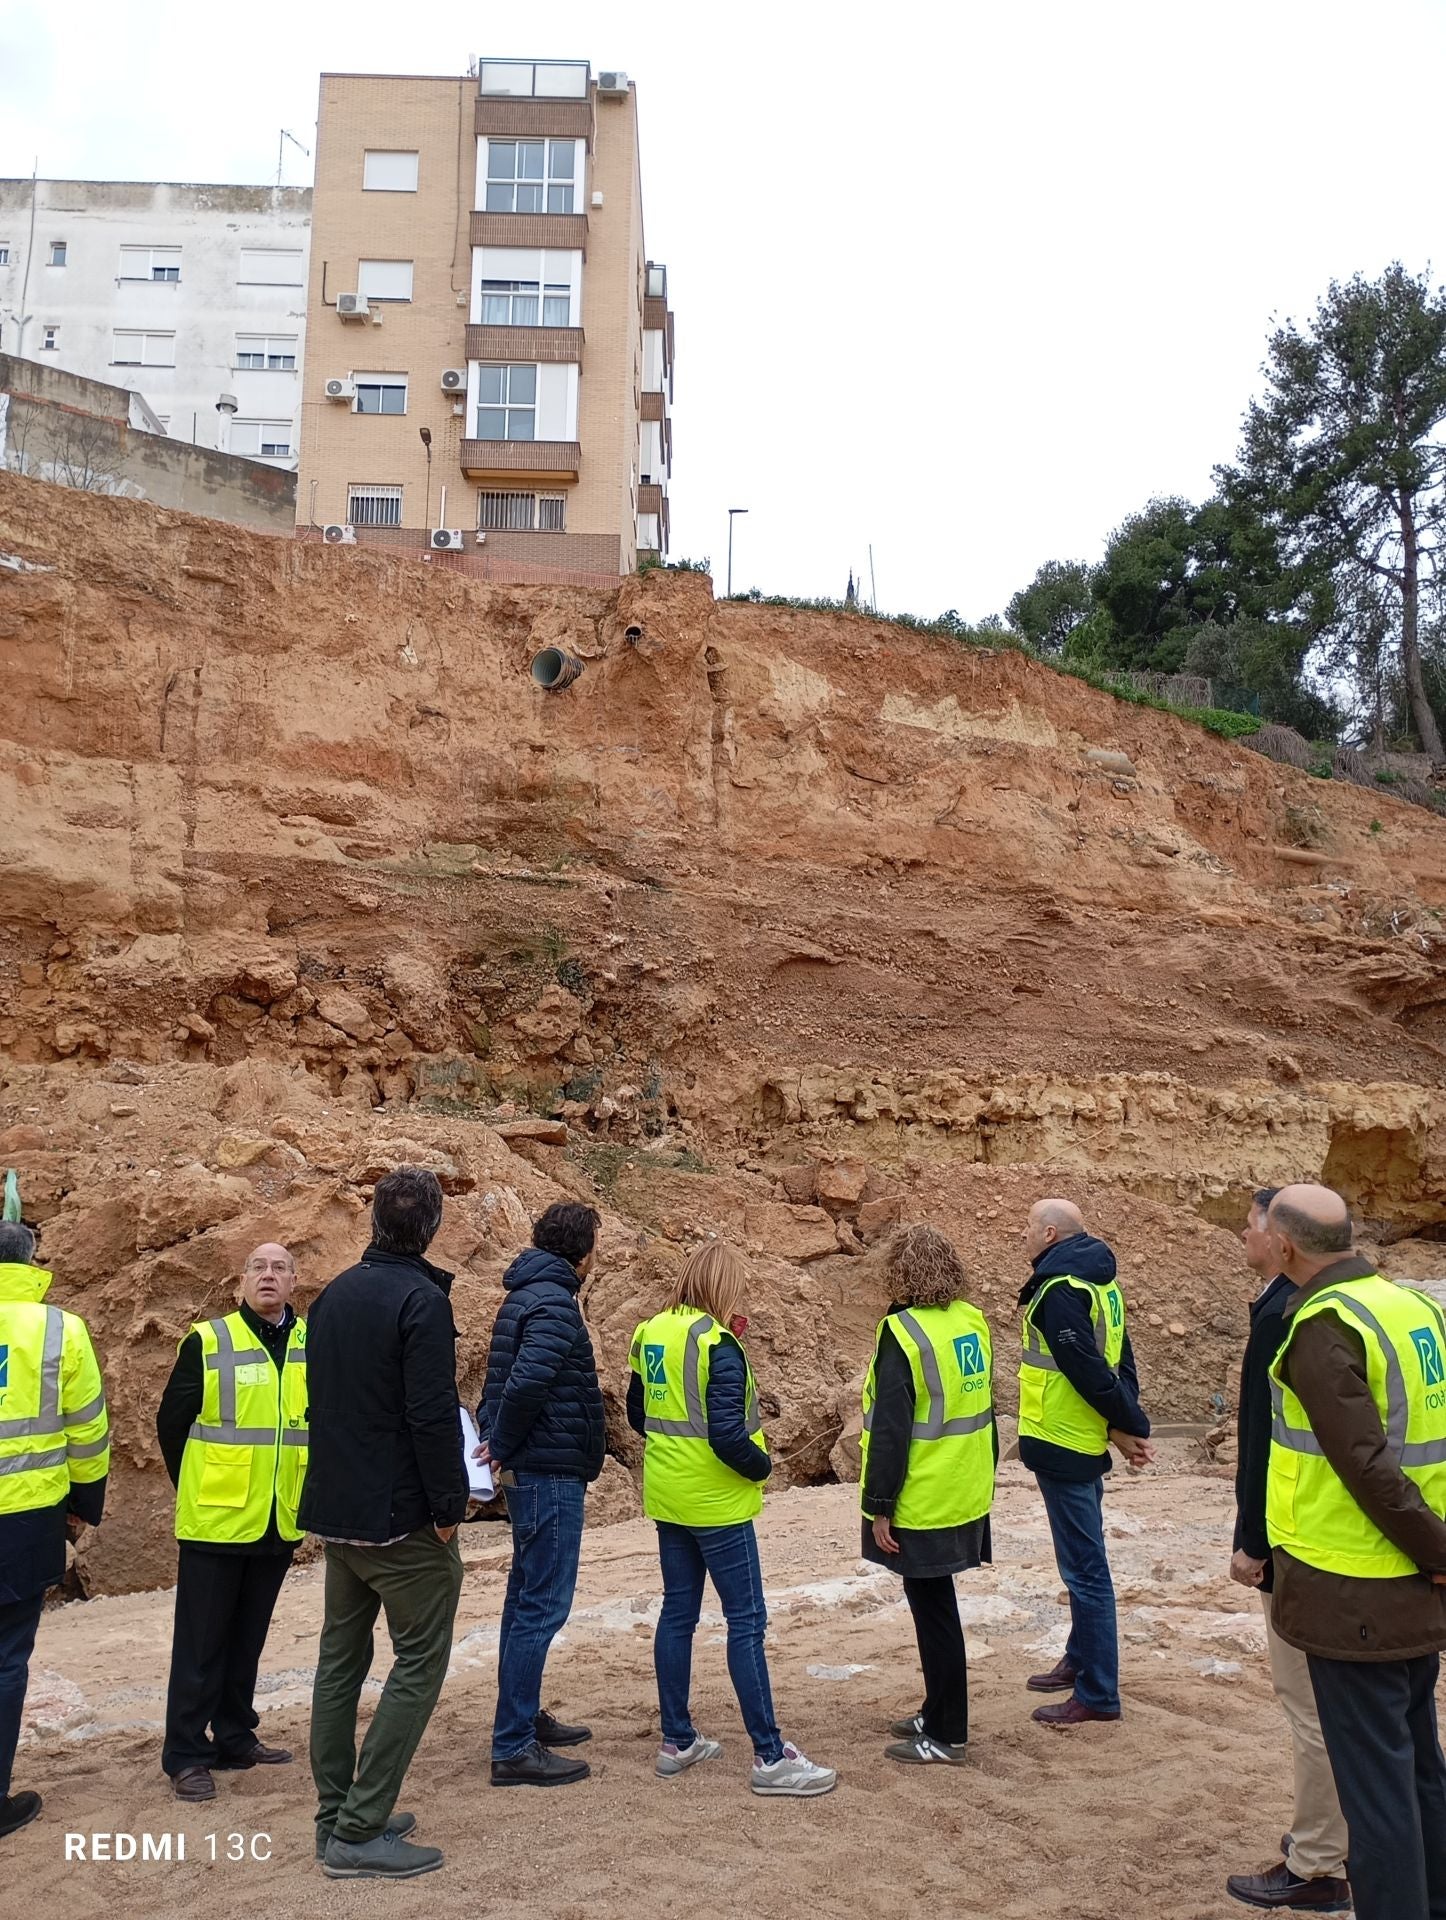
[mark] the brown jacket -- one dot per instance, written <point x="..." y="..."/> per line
<point x="1339" y="1615"/>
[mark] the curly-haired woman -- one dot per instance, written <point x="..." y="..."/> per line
<point x="929" y="1451"/>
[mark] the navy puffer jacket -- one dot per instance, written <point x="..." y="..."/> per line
<point x="542" y="1407"/>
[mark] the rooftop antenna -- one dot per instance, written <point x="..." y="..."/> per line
<point x="281" y="150"/>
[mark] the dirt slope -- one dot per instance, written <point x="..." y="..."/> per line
<point x="780" y="924"/>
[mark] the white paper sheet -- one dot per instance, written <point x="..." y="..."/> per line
<point x="479" y="1472"/>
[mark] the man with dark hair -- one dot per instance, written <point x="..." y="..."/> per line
<point x="541" y="1423"/>
<point x="1312" y="1876"/>
<point x="386" y="1486"/>
<point x="1356" y="1514"/>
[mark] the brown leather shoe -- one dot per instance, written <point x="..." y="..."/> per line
<point x="256" y="1755"/>
<point x="1279" y="1887"/>
<point x="194" y="1783"/>
<point x="1059" y="1679"/>
<point x="1069" y="1713"/>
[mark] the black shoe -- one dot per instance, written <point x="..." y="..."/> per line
<point x="536" y="1767"/>
<point x="258" y="1754"/>
<point x="1282" y="1889"/>
<point x="17" y="1810"/>
<point x="555" y="1733"/>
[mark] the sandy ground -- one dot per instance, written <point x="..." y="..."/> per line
<point x="1142" y="1819"/>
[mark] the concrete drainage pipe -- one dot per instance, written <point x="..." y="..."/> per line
<point x="553" y="669"/>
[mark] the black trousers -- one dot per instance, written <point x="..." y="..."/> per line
<point x="18" y="1621"/>
<point x="224" y="1603"/>
<point x="1379" y="1722"/>
<point x="935" y="1608"/>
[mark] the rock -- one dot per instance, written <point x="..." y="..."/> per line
<point x="800" y="1184"/>
<point x="613" y="1496"/>
<point x="420" y="999"/>
<point x="231" y="1011"/>
<point x="22" y="1140"/>
<point x="504" y="1218"/>
<point x="77" y="1036"/>
<point x="878" y="1217"/>
<point x="189" y="1200"/>
<point x="841" y="1184"/>
<point x="788" y="1232"/>
<point x="1109" y="760"/>
<point x="240" y="1149"/>
<point x="849" y="1404"/>
<point x="197" y="1027"/>
<point x="550" y="1025"/>
<point x="547" y="1133"/>
<point x="359" y="1089"/>
<point x="266" y="979"/>
<point x="342" y="1009"/>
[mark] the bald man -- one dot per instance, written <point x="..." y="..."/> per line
<point x="1079" y="1395"/>
<point x="1355" y="1510"/>
<point x="233" y="1433"/>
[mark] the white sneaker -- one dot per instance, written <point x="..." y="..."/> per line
<point x="793" y="1775"/>
<point x="673" y="1759"/>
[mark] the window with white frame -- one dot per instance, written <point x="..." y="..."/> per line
<point x="521" y="512"/>
<point x="49" y="339"/>
<point x="381" y="392"/>
<point x="4" y="253"/>
<point x="374" y="506"/>
<point x="535" y="79"/>
<point x="506" y="403"/>
<point x="275" y="352"/>
<point x="270" y="267"/>
<point x="384" y="279"/>
<point x="58" y="251"/>
<point x="261" y="439"/>
<point x="389" y="172"/>
<point x="518" y="303"/>
<point x="143" y="349"/>
<point x="150" y="263"/>
<point x="531" y="176"/>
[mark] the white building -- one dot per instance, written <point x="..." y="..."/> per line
<point x="188" y="294"/>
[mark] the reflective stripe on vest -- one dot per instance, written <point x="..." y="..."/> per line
<point x="207" y="1502"/>
<point x="949" y="1477"/>
<point x="684" y="1481"/>
<point x="1049" y="1407"/>
<point x="1309" y="1511"/>
<point x="48" y="1428"/>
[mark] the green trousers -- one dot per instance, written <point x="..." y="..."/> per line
<point x="416" y="1583"/>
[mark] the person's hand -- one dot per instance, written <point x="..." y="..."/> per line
<point x="74" y="1526"/>
<point x="884" y="1535"/>
<point x="1246" y="1570"/>
<point x="1438" y="1579"/>
<point x="444" y="1534"/>
<point x="482" y="1451"/>
<point x="1136" y="1452"/>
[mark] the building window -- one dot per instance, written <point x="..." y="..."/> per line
<point x="270" y="267"/>
<point x="261" y="439"/>
<point x="143" y="349"/>
<point x="516" y="303"/>
<point x="49" y="339"/>
<point x="368" y="506"/>
<point x="57" y="253"/>
<point x="535" y="79"/>
<point x="384" y="279"/>
<point x="4" y="254"/>
<point x="530" y="176"/>
<point x="389" y="172"/>
<point x="275" y="352"/>
<point x="381" y="393"/>
<point x="521" y="512"/>
<point x="507" y="403"/>
<point x="150" y="263"/>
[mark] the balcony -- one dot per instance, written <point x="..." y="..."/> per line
<point x="566" y="231"/>
<point x="653" y="405"/>
<point x="542" y="344"/>
<point x="540" y="460"/>
<point x="522" y="119"/>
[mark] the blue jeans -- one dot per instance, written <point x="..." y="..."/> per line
<point x="1076" y="1520"/>
<point x="18" y="1621"/>
<point x="546" y="1514"/>
<point x="688" y="1555"/>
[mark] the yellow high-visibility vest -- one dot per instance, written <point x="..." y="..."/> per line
<point x="683" y="1479"/>
<point x="950" y="1477"/>
<point x="54" y="1429"/>
<point x="1049" y="1407"/>
<point x="1308" y="1511"/>
<point x="249" y="1445"/>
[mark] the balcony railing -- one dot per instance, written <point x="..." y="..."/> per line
<point x="543" y="344"/>
<point x="566" y="231"/>
<point x="544" y="459"/>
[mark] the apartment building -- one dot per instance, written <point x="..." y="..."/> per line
<point x="490" y="351"/>
<point x="188" y="294"/>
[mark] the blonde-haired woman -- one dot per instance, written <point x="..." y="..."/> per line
<point x="691" y="1395"/>
<point x="929" y="1450"/>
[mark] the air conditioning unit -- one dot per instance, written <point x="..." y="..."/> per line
<point x="612" y="83"/>
<point x="341" y="389"/>
<point x="454" y="380"/>
<point x="352" y="306"/>
<point x="337" y="535"/>
<point x="446" y="540"/>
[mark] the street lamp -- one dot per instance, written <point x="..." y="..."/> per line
<point x="733" y="512"/>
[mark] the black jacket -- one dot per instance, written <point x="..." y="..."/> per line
<point x="726" y="1403"/>
<point x="925" y="1553"/>
<point x="1063" y="1317"/>
<point x="180" y="1408"/>
<point x="542" y="1408"/>
<point x="1253" y="1421"/>
<point x="385" y="1452"/>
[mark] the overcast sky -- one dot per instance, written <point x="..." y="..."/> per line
<point x="970" y="281"/>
